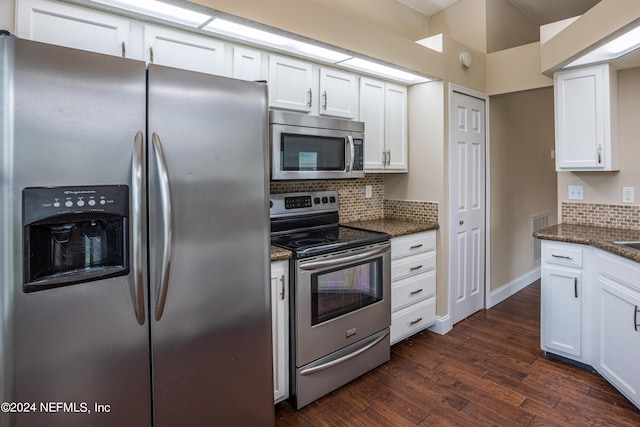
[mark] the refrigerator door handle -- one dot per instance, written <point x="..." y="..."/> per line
<point x="136" y="212"/>
<point x="165" y="198"/>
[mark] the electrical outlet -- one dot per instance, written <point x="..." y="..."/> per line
<point x="367" y="191"/>
<point x="627" y="195"/>
<point x="576" y="192"/>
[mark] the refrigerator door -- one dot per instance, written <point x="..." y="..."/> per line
<point x="75" y="353"/>
<point x="208" y="230"/>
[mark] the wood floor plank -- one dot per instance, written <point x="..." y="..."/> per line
<point x="489" y="370"/>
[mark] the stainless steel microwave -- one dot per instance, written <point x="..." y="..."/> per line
<point x="312" y="147"/>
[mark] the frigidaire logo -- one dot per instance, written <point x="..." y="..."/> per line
<point x="80" y="192"/>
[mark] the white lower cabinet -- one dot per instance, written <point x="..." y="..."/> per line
<point x="590" y="311"/>
<point x="413" y="284"/>
<point x="618" y="324"/>
<point x="280" y="329"/>
<point x="565" y="314"/>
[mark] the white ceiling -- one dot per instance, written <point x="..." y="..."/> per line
<point x="539" y="11"/>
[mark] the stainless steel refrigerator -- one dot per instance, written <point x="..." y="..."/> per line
<point x="134" y="232"/>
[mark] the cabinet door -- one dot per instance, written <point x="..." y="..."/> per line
<point x="71" y="26"/>
<point x="290" y="84"/>
<point x="247" y="64"/>
<point x="561" y="311"/>
<point x="372" y="113"/>
<point x="619" y="337"/>
<point x="584" y="99"/>
<point x="396" y="127"/>
<point x="280" y="329"/>
<point x="179" y="49"/>
<point x="337" y="94"/>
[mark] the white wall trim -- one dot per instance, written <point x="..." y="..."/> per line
<point x="442" y="326"/>
<point x="507" y="290"/>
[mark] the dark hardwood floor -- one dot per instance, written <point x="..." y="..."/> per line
<point x="488" y="371"/>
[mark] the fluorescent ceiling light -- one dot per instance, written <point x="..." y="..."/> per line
<point x="383" y="70"/>
<point x="433" y="42"/>
<point x="160" y="10"/>
<point x="264" y="38"/>
<point x="614" y="49"/>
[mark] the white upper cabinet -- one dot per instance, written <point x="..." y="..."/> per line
<point x="585" y="113"/>
<point x="290" y="84"/>
<point x="383" y="109"/>
<point x="338" y="94"/>
<point x="180" y="49"/>
<point x="247" y="64"/>
<point x="71" y="26"/>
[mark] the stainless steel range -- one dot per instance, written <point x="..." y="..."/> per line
<point x="341" y="293"/>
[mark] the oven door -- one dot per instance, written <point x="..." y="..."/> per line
<point x="341" y="298"/>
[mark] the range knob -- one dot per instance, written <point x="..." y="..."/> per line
<point x="316" y="200"/>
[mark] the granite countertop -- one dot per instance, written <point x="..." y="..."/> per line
<point x="599" y="237"/>
<point x="393" y="227"/>
<point x="279" y="254"/>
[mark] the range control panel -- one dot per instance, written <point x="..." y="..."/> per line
<point x="45" y="202"/>
<point x="287" y="204"/>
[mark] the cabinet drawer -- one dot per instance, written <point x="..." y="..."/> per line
<point x="411" y="265"/>
<point x="413" y="319"/>
<point x="413" y="289"/>
<point x="562" y="254"/>
<point x="413" y="244"/>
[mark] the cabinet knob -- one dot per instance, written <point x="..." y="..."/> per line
<point x="461" y="222"/>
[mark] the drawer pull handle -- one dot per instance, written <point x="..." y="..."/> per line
<point x="417" y="291"/>
<point x="635" y="319"/>
<point x="418" y="320"/>
<point x="561" y="256"/>
<point x="416" y="246"/>
<point x="416" y="268"/>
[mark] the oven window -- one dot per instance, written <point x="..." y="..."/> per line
<point x="312" y="153"/>
<point x="341" y="291"/>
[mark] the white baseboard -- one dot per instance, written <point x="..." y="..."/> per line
<point x="442" y="326"/>
<point x="504" y="292"/>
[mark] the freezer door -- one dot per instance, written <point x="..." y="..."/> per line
<point x="76" y="354"/>
<point x="208" y="231"/>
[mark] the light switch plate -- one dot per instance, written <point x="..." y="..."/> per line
<point x="367" y="191"/>
<point x="576" y="192"/>
<point x="627" y="195"/>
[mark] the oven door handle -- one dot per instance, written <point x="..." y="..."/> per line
<point x="344" y="358"/>
<point x="315" y="265"/>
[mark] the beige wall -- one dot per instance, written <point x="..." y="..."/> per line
<point x="427" y="164"/>
<point x="318" y="21"/>
<point x="388" y="14"/>
<point x="515" y="69"/>
<point x="464" y="21"/>
<point x="606" y="187"/>
<point x="523" y="178"/>
<point x="7" y="13"/>
<point x="507" y="27"/>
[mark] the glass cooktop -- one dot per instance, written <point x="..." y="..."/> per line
<point x="319" y="241"/>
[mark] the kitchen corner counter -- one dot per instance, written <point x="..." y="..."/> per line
<point x="393" y="227"/>
<point x="279" y="254"/>
<point x="599" y="237"/>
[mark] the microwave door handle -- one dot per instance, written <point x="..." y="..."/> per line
<point x="351" y="152"/>
<point x="136" y="226"/>
<point x="165" y="198"/>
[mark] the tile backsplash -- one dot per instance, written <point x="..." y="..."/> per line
<point x="601" y="215"/>
<point x="354" y="206"/>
